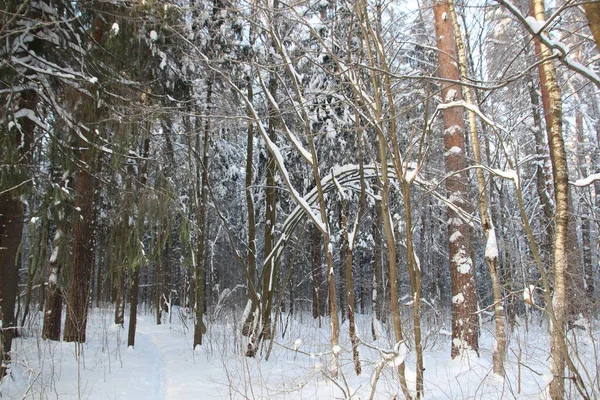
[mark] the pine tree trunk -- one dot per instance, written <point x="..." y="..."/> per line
<point x="491" y="253"/>
<point x="11" y="227"/>
<point x="12" y="215"/>
<point x="465" y="325"/>
<point x="83" y="253"/>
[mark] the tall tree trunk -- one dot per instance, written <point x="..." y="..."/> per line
<point x="251" y="251"/>
<point x="491" y="251"/>
<point x="269" y="273"/>
<point x="83" y="250"/>
<point x="135" y="280"/>
<point x="11" y="228"/>
<point x="465" y="326"/>
<point x="54" y="301"/>
<point x="201" y="204"/>
<point x="12" y="215"/>
<point x="552" y="102"/>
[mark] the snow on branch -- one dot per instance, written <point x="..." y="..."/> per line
<point x="586" y="181"/>
<point x="535" y="27"/>
<point x="30" y="114"/>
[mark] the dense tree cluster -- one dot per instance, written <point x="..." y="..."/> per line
<point x="329" y="156"/>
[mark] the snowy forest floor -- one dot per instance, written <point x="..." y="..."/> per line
<point x="163" y="365"/>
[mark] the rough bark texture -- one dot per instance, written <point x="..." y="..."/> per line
<point x="491" y="256"/>
<point x="11" y="227"/>
<point x="465" y="327"/>
<point x="18" y="156"/>
<point x="552" y="103"/>
<point x="83" y="253"/>
<point x="592" y="12"/>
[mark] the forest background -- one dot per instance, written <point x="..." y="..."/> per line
<point x="392" y="159"/>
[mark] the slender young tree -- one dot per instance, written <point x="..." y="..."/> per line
<point x="552" y="105"/>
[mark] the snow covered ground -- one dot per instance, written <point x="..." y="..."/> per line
<point x="163" y="365"/>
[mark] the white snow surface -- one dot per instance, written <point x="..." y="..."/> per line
<point x="162" y="365"/>
<point x="491" y="247"/>
<point x="588" y="180"/>
<point x="535" y="25"/>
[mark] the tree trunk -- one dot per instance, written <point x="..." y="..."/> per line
<point x="83" y="252"/>
<point x="268" y="274"/>
<point x="379" y="292"/>
<point x="135" y="281"/>
<point x="542" y="172"/>
<point x="347" y="257"/>
<point x="465" y="326"/>
<point x="491" y="253"/>
<point x="201" y="202"/>
<point x="586" y="222"/>
<point x="251" y="251"/>
<point x="11" y="228"/>
<point x="53" y="310"/>
<point x="12" y="215"/>
<point x="592" y="12"/>
<point x="552" y="102"/>
<point x="318" y="286"/>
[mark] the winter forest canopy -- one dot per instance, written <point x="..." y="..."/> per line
<point x="394" y="174"/>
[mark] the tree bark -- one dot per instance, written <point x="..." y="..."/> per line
<point x="135" y="281"/>
<point x="83" y="251"/>
<point x="251" y="251"/>
<point x="552" y="103"/>
<point x="592" y="13"/>
<point x="491" y="253"/>
<point x="201" y="202"/>
<point x="11" y="228"/>
<point x="465" y="325"/>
